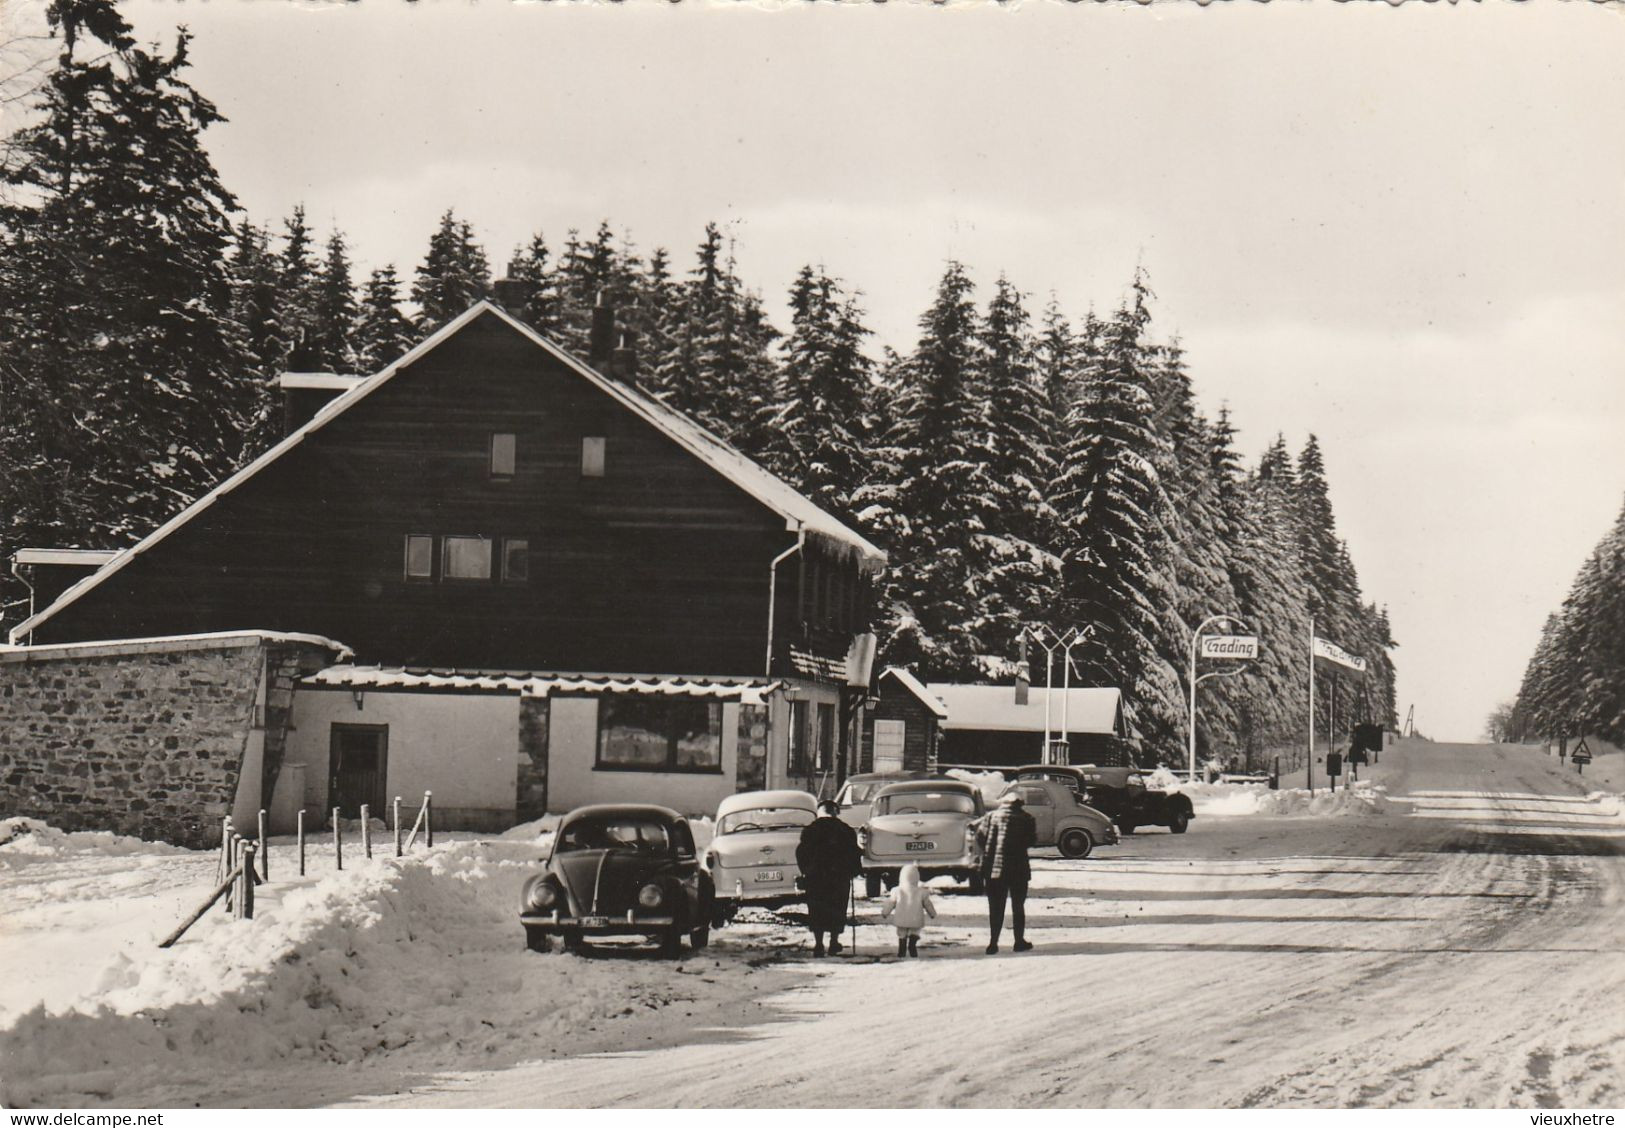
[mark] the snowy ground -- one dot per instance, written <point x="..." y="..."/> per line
<point x="1449" y="936"/>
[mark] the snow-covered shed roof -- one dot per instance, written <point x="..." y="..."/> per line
<point x="799" y="513"/>
<point x="918" y="688"/>
<point x="529" y="683"/>
<point x="994" y="708"/>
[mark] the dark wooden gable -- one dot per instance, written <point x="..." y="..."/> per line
<point x="659" y="565"/>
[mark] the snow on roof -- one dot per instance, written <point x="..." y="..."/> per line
<point x="915" y="686"/>
<point x="526" y="683"/>
<point x="162" y="643"/>
<point x="773" y="492"/>
<point x="993" y="707"/>
<point x="321" y="381"/>
<point x="78" y="557"/>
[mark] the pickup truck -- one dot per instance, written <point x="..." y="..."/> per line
<point x="1120" y="794"/>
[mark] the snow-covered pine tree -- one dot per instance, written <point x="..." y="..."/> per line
<point x="816" y="430"/>
<point x="382" y="332"/>
<point x="531" y="264"/>
<point x="1024" y="577"/>
<point x="454" y="274"/>
<point x="938" y="497"/>
<point x="333" y="343"/>
<point x="127" y="392"/>
<point x="298" y="293"/>
<point x="1110" y="501"/>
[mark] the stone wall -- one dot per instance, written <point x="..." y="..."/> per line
<point x="144" y="737"/>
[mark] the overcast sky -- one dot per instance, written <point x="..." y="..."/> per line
<point x="1399" y="228"/>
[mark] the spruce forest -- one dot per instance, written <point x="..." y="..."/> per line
<point x="1575" y="681"/>
<point x="1020" y="465"/>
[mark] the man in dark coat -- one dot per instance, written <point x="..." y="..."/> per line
<point x="829" y="858"/>
<point x="1006" y="835"/>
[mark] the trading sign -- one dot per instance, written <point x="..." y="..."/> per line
<point x="1331" y="652"/>
<point x="1229" y="646"/>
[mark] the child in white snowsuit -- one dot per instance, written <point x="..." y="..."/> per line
<point x="907" y="908"/>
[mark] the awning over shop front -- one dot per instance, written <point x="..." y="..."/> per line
<point x="747" y="691"/>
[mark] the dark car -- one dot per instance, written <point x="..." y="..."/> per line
<point x="620" y="870"/>
<point x="1121" y="794"/>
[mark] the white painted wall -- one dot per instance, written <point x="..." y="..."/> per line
<point x="572" y="781"/>
<point x="462" y="746"/>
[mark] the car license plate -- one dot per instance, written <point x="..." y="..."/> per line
<point x="769" y="875"/>
<point x="594" y="922"/>
<point x="919" y="845"/>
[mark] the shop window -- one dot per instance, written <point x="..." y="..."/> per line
<point x="419" y="557"/>
<point x="647" y="733"/>
<point x="465" y="558"/>
<point x="504" y="450"/>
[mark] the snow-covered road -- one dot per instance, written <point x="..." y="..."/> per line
<point x="1469" y="954"/>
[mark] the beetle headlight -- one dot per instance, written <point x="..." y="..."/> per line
<point x="650" y="896"/>
<point x="542" y="896"/>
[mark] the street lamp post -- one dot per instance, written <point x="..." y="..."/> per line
<point x="1196" y="638"/>
<point x="1052" y="640"/>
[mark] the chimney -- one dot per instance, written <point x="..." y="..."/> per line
<point x="601" y="339"/>
<point x="1023" y="677"/>
<point x="514" y="294"/>
<point x="623" y="362"/>
<point x="306" y="393"/>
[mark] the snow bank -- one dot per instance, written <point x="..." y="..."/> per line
<point x="990" y="784"/>
<point x="1226" y="799"/>
<point x="420" y="958"/>
<point x="25" y="836"/>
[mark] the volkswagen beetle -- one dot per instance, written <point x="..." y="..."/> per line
<point x="619" y="870"/>
<point x="752" y="858"/>
<point x="928" y="823"/>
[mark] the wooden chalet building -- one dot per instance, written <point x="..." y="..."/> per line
<point x="557" y="589"/>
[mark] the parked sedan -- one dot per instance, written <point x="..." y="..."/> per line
<point x="620" y="870"/>
<point x="752" y="859"/>
<point x="1123" y="794"/>
<point x="1064" y="819"/>
<point x="858" y="792"/>
<point x="926" y="822"/>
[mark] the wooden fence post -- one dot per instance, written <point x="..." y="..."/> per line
<point x="338" y="841"/>
<point x="264" y="850"/>
<point x="220" y="890"/>
<point x="248" y="881"/>
<point x="231" y="866"/>
<point x="428" y="819"/>
<point x="366" y="830"/>
<point x="301" y="842"/>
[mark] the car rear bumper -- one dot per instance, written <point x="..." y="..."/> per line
<point x="929" y="863"/>
<point x="740" y="885"/>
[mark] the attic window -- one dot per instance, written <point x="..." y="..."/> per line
<point x="592" y="456"/>
<point x="503" y="447"/>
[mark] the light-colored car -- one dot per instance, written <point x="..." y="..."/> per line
<point x="1064" y="819"/>
<point x="926" y="822"/>
<point x="752" y="857"/>
<point x="859" y="791"/>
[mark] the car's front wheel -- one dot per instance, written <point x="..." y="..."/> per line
<point x="1180" y="823"/>
<point x="537" y="940"/>
<point x="700" y="937"/>
<point x="1076" y="844"/>
<point x="872" y="884"/>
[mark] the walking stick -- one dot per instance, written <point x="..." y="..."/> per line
<point x="852" y="905"/>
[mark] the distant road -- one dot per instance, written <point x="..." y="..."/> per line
<point x="1467" y="948"/>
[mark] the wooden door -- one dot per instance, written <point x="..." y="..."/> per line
<point x="359" y="762"/>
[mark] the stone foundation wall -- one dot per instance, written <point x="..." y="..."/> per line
<point x="141" y="738"/>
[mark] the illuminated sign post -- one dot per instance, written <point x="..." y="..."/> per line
<point x="1225" y="646"/>
<point x="1324" y="650"/>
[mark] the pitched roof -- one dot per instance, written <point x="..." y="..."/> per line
<point x="994" y="708"/>
<point x="799" y="513"/>
<point x="915" y="686"/>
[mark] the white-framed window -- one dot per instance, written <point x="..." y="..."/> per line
<point x="592" y="456"/>
<point x="419" y="556"/>
<point x="889" y="745"/>
<point x="504" y="453"/>
<point x="515" y="560"/>
<point x="465" y="558"/>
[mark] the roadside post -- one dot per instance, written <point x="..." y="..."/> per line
<point x="1232" y="647"/>
<point x="301" y="832"/>
<point x="366" y="830"/>
<point x="264" y="849"/>
<point x="1334" y="768"/>
<point x="338" y="841"/>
